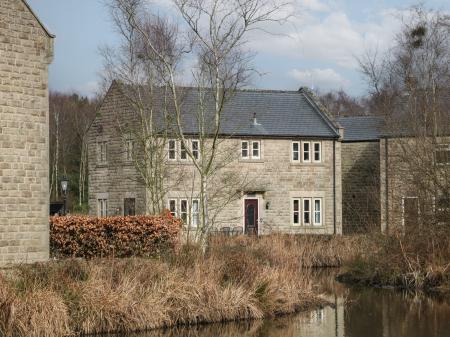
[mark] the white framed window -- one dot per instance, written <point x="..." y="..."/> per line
<point x="195" y="149"/>
<point x="172" y="206"/>
<point x="442" y="154"/>
<point x="102" y="207"/>
<point x="172" y="150"/>
<point x="317" y="148"/>
<point x="296" y="151"/>
<point x="129" y="149"/>
<point x="296" y="214"/>
<point x="184" y="210"/>
<point x="306" y="152"/>
<point x="183" y="152"/>
<point x="306" y="211"/>
<point x="195" y="213"/>
<point x="244" y="150"/>
<point x="102" y="152"/>
<point x="317" y="211"/>
<point x="256" y="149"/>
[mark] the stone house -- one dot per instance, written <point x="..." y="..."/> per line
<point x="284" y="144"/>
<point x="414" y="181"/>
<point x="26" y="50"/>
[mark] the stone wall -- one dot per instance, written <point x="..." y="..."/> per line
<point x="26" y="50"/>
<point x="360" y="186"/>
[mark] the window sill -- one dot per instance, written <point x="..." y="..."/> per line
<point x="251" y="160"/>
<point x="308" y="227"/>
<point x="321" y="164"/>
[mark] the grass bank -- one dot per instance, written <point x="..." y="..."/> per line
<point x="417" y="260"/>
<point x="238" y="278"/>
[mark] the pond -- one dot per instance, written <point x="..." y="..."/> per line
<point x="352" y="313"/>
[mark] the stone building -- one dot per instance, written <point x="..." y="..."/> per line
<point x="414" y="182"/>
<point x="361" y="173"/>
<point x="26" y="50"/>
<point x="284" y="144"/>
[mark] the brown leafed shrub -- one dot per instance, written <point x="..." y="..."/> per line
<point x="119" y="236"/>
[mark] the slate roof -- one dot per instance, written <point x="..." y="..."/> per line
<point x="361" y="128"/>
<point x="278" y="114"/>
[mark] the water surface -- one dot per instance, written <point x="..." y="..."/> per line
<point x="352" y="313"/>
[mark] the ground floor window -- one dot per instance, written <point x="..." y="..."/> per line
<point x="129" y="206"/>
<point x="187" y="209"/>
<point x="184" y="210"/>
<point x="173" y="207"/>
<point x="307" y="211"/>
<point x="296" y="211"/>
<point x="195" y="213"/>
<point x="102" y="207"/>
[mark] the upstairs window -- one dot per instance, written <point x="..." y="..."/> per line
<point x="183" y="153"/>
<point x="195" y="149"/>
<point x="296" y="151"/>
<point x="442" y="154"/>
<point x="102" y="149"/>
<point x="129" y="149"/>
<point x="256" y="150"/>
<point x="317" y="148"/>
<point x="306" y="152"/>
<point x="244" y="150"/>
<point x="251" y="149"/>
<point x="172" y="149"/>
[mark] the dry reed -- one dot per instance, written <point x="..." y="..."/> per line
<point x="237" y="278"/>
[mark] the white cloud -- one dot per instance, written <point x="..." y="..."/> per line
<point x="326" y="79"/>
<point x="314" y="5"/>
<point x="332" y="37"/>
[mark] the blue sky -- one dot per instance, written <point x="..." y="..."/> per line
<point x="317" y="48"/>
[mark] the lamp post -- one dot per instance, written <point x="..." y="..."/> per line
<point x="64" y="184"/>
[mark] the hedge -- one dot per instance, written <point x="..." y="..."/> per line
<point x="118" y="236"/>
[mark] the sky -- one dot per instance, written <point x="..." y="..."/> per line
<point x="317" y="48"/>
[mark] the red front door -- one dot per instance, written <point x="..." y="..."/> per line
<point x="251" y="216"/>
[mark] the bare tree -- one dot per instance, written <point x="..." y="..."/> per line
<point x="214" y="36"/>
<point x="409" y="86"/>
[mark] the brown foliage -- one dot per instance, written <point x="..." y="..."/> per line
<point x="119" y="236"/>
<point x="134" y="294"/>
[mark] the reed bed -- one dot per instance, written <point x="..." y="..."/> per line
<point x="236" y="279"/>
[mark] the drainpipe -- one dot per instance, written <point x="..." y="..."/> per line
<point x="386" y="168"/>
<point x="334" y="187"/>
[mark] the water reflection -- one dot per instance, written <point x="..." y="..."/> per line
<point x="354" y="313"/>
